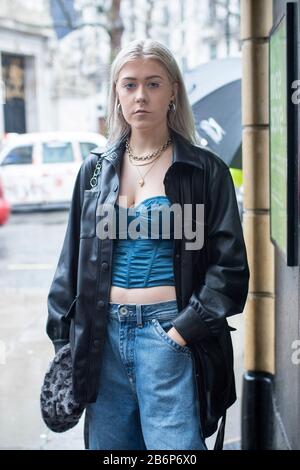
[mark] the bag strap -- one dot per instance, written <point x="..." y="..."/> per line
<point x="220" y="436"/>
<point x="97" y="171"/>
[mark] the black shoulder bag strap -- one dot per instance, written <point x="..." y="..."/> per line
<point x="220" y="436"/>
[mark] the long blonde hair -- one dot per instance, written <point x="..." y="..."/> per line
<point x="182" y="120"/>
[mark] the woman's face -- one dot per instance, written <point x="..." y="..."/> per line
<point x="144" y="83"/>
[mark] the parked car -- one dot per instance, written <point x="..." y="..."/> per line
<point x="39" y="169"/>
<point x="4" y="207"/>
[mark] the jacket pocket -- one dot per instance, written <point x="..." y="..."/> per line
<point x="88" y="214"/>
<point x="71" y="310"/>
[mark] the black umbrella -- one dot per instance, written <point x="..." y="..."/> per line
<point x="214" y="90"/>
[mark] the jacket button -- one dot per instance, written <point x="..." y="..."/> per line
<point x="101" y="303"/>
<point x="96" y="343"/>
<point x="177" y="255"/>
<point x="104" y="266"/>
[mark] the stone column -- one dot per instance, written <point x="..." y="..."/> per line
<point x="256" y="22"/>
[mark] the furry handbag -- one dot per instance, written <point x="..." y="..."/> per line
<point x="59" y="410"/>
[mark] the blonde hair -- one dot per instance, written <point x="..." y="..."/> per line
<point x="182" y="120"/>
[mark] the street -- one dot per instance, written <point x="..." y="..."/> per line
<point x="29" y="248"/>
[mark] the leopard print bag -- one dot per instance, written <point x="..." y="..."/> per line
<point x="59" y="410"/>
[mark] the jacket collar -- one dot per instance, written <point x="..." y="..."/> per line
<point x="183" y="150"/>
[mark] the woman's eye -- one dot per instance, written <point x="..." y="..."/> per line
<point x="127" y="84"/>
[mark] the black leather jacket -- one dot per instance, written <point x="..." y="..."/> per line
<point x="211" y="283"/>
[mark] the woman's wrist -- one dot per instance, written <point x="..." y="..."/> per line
<point x="173" y="333"/>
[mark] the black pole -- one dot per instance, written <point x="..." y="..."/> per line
<point x="257" y="411"/>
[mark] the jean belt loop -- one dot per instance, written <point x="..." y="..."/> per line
<point x="139" y="316"/>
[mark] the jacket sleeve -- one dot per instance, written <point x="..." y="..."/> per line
<point x="62" y="294"/>
<point x="225" y="287"/>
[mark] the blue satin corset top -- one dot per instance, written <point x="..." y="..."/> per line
<point x="143" y="244"/>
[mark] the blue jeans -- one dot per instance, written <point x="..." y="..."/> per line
<point x="147" y="396"/>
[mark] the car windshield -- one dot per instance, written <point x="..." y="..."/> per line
<point x="57" y="152"/>
<point x="19" y="156"/>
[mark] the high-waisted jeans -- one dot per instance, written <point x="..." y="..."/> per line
<point x="147" y="396"/>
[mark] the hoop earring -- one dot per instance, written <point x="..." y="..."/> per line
<point x="119" y="108"/>
<point x="172" y="107"/>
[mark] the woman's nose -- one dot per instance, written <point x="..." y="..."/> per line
<point x="140" y="99"/>
<point x="140" y="94"/>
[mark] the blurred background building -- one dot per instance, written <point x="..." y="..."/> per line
<point x="25" y="66"/>
<point x="55" y="54"/>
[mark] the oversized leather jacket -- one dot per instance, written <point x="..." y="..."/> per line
<point x="211" y="283"/>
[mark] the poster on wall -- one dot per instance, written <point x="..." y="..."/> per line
<point x="283" y="136"/>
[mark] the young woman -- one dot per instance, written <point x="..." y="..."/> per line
<point x="131" y="303"/>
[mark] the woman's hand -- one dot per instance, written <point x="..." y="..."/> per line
<point x="173" y="333"/>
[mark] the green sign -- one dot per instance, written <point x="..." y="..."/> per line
<point x="278" y="136"/>
<point x="283" y="136"/>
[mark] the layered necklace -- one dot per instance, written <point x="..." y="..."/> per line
<point x="136" y="158"/>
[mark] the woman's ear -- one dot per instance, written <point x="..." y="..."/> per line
<point x="175" y="90"/>
<point x="116" y="92"/>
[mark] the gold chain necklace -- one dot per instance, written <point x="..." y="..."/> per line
<point x="157" y="154"/>
<point x="142" y="177"/>
<point x="149" y="155"/>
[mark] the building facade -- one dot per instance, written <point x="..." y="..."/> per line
<point x="287" y="312"/>
<point x="25" y="74"/>
<point x="270" y="105"/>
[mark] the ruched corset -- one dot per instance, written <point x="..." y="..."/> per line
<point x="143" y="247"/>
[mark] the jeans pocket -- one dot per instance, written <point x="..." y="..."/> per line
<point x="161" y="327"/>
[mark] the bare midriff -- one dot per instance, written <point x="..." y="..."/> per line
<point x="146" y="295"/>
